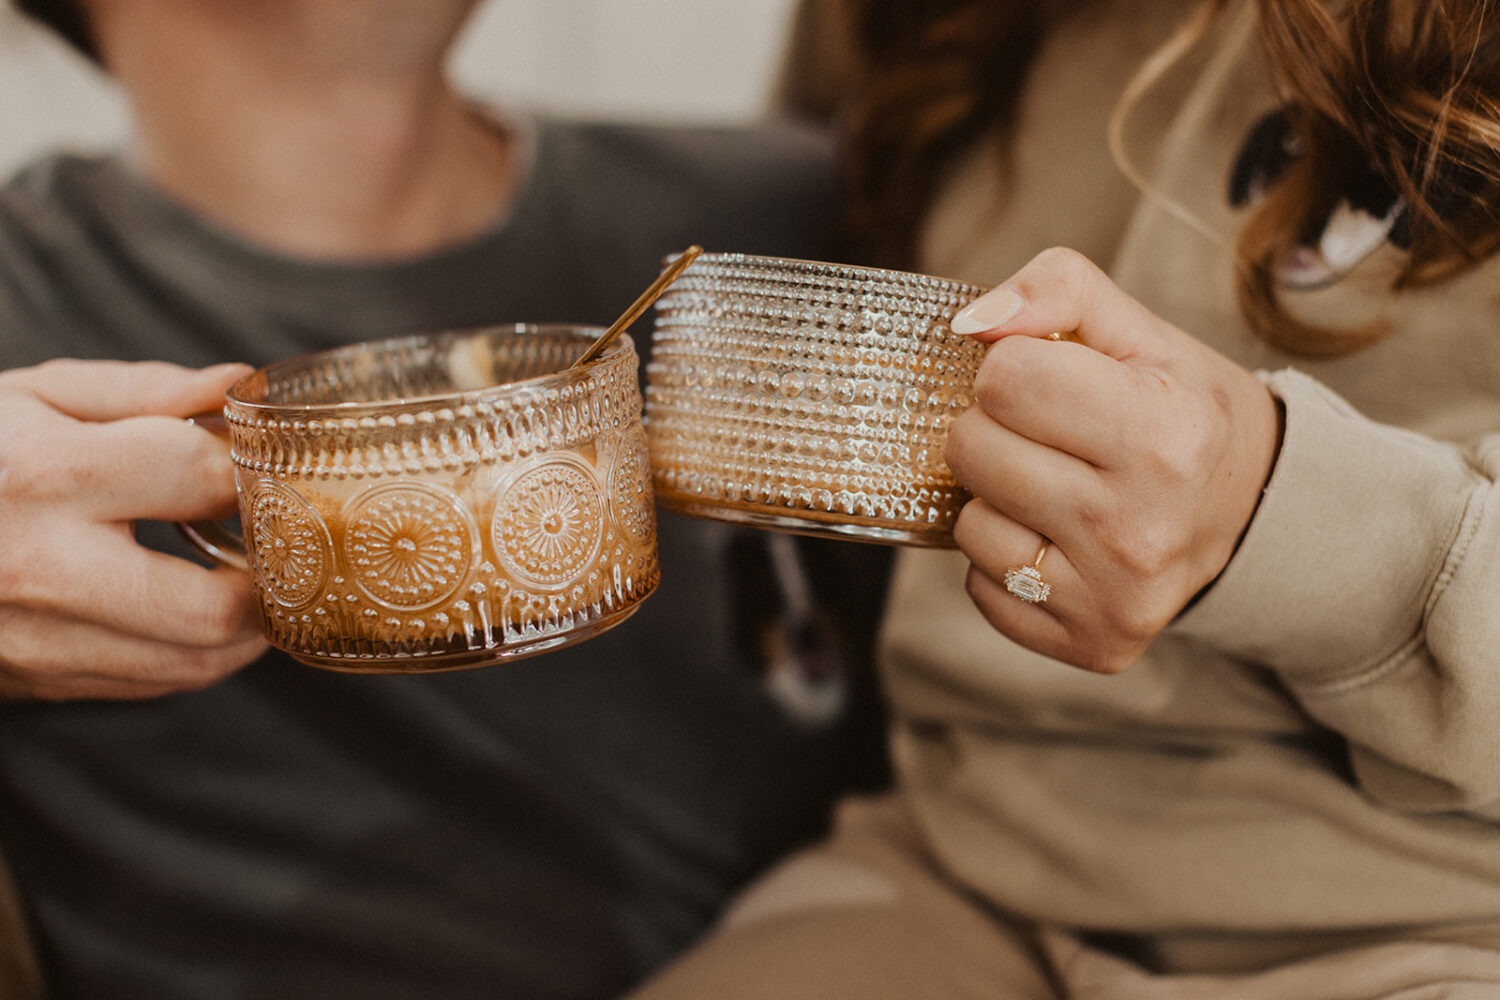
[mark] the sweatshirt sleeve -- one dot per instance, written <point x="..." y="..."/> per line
<point x="1369" y="582"/>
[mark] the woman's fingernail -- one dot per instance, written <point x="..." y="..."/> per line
<point x="994" y="308"/>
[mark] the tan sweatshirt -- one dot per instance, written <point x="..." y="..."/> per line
<point x="1316" y="743"/>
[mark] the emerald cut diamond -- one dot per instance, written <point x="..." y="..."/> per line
<point x="1026" y="583"/>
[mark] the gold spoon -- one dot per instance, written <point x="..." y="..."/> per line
<point x="639" y="306"/>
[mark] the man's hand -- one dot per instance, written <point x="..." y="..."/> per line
<point x="87" y="448"/>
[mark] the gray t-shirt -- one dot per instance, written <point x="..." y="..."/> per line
<point x="548" y="829"/>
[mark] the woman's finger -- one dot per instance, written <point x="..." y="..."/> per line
<point x="1018" y="580"/>
<point x="996" y="544"/>
<point x="1034" y="484"/>
<point x="1063" y="395"/>
<point x="1061" y="291"/>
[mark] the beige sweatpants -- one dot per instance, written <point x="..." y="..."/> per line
<point x="864" y="917"/>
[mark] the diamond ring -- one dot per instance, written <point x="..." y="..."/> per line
<point x="1026" y="583"/>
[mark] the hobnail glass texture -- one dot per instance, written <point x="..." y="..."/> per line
<point x="444" y="501"/>
<point x="810" y="397"/>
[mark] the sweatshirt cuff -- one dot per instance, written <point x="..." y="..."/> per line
<point x="1334" y="572"/>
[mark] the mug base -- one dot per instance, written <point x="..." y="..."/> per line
<point x="818" y="524"/>
<point x="509" y="651"/>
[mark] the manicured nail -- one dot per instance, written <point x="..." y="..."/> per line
<point x="994" y="308"/>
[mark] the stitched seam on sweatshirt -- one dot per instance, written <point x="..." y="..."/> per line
<point x="1468" y="527"/>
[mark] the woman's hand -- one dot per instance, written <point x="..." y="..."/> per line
<point x="1136" y="453"/>
<point x="86" y="448"/>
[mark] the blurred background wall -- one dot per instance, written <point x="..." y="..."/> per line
<point x="658" y="60"/>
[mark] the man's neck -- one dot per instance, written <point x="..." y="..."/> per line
<point x="334" y="140"/>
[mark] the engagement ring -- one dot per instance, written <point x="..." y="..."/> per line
<point x="1026" y="583"/>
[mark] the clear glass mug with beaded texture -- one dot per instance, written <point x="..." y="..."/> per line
<point x="810" y="397"/>
<point x="441" y="501"/>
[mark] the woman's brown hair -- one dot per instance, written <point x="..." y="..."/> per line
<point x="1409" y="89"/>
<point x="911" y="83"/>
<point x="66" y="18"/>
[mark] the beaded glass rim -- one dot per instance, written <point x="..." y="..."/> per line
<point x="821" y="268"/>
<point x="584" y="335"/>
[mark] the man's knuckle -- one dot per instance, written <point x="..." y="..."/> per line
<point x="217" y="623"/>
<point x="220" y="619"/>
<point x="204" y="668"/>
<point x="208" y="456"/>
<point x="199" y="672"/>
<point x="24" y="581"/>
<point x="41" y="467"/>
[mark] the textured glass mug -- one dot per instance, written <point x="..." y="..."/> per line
<point x="810" y="397"/>
<point x="441" y="501"/>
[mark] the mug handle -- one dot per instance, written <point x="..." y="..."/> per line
<point x="220" y="543"/>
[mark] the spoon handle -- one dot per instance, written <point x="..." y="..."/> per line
<point x="640" y="305"/>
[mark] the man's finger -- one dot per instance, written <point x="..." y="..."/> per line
<point x="113" y="390"/>
<point x="52" y="657"/>
<point x="106" y="578"/>
<point x="160" y="468"/>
